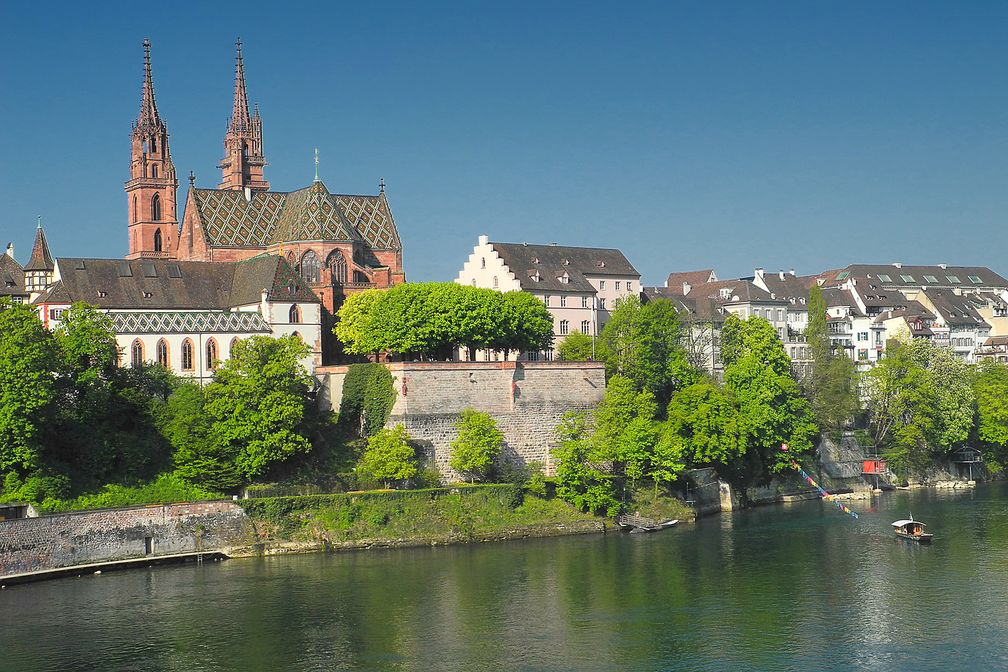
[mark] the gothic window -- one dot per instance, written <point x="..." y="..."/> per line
<point x="291" y="259"/>
<point x="137" y="353"/>
<point x="294" y="315"/>
<point x="231" y="348"/>
<point x="162" y="353"/>
<point x="153" y="146"/>
<point x="155" y="208"/>
<point x="360" y="277"/>
<point x="153" y="171"/>
<point x="157" y="241"/>
<point x="211" y="354"/>
<point x="337" y="266"/>
<point x="244" y="149"/>
<point x="310" y="267"/>
<point x="187" y="355"/>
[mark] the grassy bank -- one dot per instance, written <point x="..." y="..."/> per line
<point x="439" y="515"/>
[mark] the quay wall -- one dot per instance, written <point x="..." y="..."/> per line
<point x="527" y="399"/>
<point x="104" y="535"/>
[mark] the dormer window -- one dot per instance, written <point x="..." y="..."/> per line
<point x="564" y="279"/>
<point x="566" y="262"/>
<point x="534" y="275"/>
<point x="601" y="264"/>
<point x="535" y="260"/>
<point x="147" y="295"/>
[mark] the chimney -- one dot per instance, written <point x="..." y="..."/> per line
<point x="792" y="272"/>
<point x="484" y="240"/>
<point x="897" y="264"/>
<point x="780" y="274"/>
<point x="944" y="267"/>
<point x="10" y="250"/>
<point x="553" y="244"/>
<point x="759" y="273"/>
<point x="686" y="287"/>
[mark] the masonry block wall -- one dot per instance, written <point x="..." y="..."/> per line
<point x="527" y="399"/>
<point x="62" y="540"/>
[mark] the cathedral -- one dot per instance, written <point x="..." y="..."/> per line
<point x="337" y="243"/>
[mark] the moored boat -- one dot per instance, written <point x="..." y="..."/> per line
<point x="912" y="530"/>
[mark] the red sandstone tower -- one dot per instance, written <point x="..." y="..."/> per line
<point x="243" y="162"/>
<point x="152" y="187"/>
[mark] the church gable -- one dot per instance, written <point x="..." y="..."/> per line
<point x="372" y="218"/>
<point x="229" y="220"/>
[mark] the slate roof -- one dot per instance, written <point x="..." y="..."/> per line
<point x="41" y="259"/>
<point x="834" y="296"/>
<point x="551" y="262"/>
<point x="738" y="291"/>
<point x="912" y="311"/>
<point x="313" y="213"/>
<point x="696" y="306"/>
<point x="792" y="287"/>
<point x="11" y="277"/>
<point x="162" y="284"/>
<point x="920" y="276"/>
<point x="954" y="309"/>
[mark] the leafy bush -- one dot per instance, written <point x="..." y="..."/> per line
<point x="165" y="489"/>
<point x="368" y="397"/>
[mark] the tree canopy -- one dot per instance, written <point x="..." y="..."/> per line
<point x="432" y="319"/>
<point x="477" y="445"/>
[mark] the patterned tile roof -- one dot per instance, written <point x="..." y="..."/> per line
<point x="188" y="322"/>
<point x="313" y="213"/>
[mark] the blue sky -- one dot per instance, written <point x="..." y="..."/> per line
<point x="690" y="135"/>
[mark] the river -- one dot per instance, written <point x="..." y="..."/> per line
<point x="791" y="587"/>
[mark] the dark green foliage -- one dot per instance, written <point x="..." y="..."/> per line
<point x="368" y="397"/>
<point x="576" y="347"/>
<point x="201" y="457"/>
<point x="990" y="386"/>
<point x="580" y="480"/>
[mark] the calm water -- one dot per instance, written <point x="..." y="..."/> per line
<point x="780" y="588"/>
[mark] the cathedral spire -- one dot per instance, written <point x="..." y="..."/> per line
<point x="243" y="162"/>
<point x="240" y="112"/>
<point x="148" y="118"/>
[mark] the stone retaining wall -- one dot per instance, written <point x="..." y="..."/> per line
<point x="83" y="537"/>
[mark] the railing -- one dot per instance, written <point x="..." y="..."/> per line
<point x="150" y="254"/>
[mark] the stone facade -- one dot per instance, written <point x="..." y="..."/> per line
<point x="527" y="399"/>
<point x="83" y="537"/>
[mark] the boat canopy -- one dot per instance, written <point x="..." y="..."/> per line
<point x="901" y="523"/>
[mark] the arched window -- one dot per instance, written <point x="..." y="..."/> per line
<point x="135" y="216"/>
<point x="297" y="336"/>
<point x="153" y="170"/>
<point x="137" y="353"/>
<point x="162" y="354"/>
<point x="153" y="145"/>
<point x="336" y="263"/>
<point x="294" y="315"/>
<point x="310" y="267"/>
<point x="155" y="208"/>
<point x="158" y="244"/>
<point x="187" y="355"/>
<point x="231" y="348"/>
<point x="211" y="354"/>
<point x="244" y="149"/>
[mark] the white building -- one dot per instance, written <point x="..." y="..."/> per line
<point x="579" y="285"/>
<point x="187" y="315"/>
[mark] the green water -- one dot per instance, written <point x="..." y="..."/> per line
<point x="795" y="587"/>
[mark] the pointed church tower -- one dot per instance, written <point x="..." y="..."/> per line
<point x="243" y="162"/>
<point x="38" y="271"/>
<point x="152" y="188"/>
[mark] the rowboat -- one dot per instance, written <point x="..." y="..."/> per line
<point x="912" y="530"/>
<point x="637" y="524"/>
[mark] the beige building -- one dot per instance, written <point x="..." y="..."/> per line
<point x="580" y="285"/>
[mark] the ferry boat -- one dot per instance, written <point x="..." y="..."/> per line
<point x="912" y="530"/>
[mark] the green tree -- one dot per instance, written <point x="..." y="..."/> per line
<point x="645" y="344"/>
<point x="87" y="343"/>
<point x="704" y="420"/>
<point x="832" y="386"/>
<point x="816" y="333"/>
<point x="389" y="457"/>
<point x="28" y="361"/>
<point x="200" y="456"/>
<point x="575" y="347"/>
<point x="772" y="411"/>
<point x="526" y="324"/>
<point x="578" y="477"/>
<point x="258" y="401"/>
<point x="477" y="446"/>
<point x="990" y="386"/>
<point x="625" y="431"/>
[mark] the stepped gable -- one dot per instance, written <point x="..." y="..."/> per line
<point x="11" y="276"/>
<point x="550" y="262"/>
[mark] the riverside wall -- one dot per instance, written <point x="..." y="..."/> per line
<point x="106" y="535"/>
<point x="527" y="399"/>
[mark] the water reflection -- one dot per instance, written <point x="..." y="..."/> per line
<point x="801" y="586"/>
